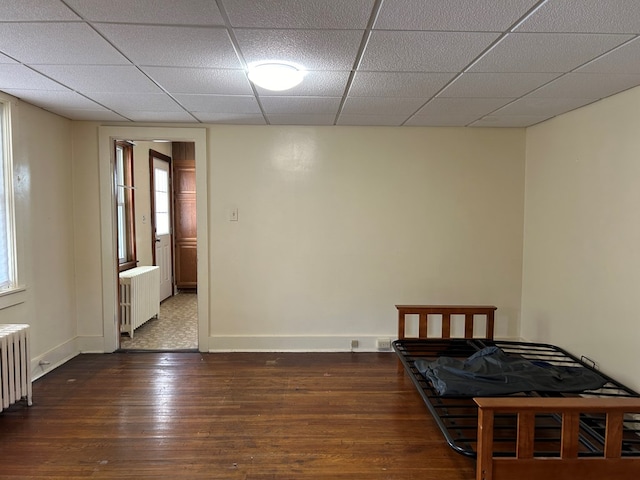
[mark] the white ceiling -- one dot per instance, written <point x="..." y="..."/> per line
<point x="504" y="63"/>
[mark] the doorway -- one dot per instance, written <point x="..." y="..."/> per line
<point x="174" y="326"/>
<point x="109" y="276"/>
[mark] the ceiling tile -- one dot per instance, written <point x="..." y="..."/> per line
<point x="230" y="118"/>
<point x="49" y="99"/>
<point x="587" y="85"/>
<point x="315" y="84"/>
<point x="496" y="85"/>
<point x="444" y="120"/>
<point x="241" y="104"/>
<point x="624" y="59"/>
<point x="158" y="116"/>
<point x="57" y="43"/>
<point x="173" y="46"/>
<point x="603" y="16"/>
<point x="34" y="10"/>
<point x="100" y="78"/>
<point x="187" y="12"/>
<point x="300" y="105"/>
<point x="312" y="49"/>
<point x="401" y="84"/>
<point x="372" y="120"/>
<point x="200" y="80"/>
<point x="92" y="115"/>
<point x="458" y="15"/>
<point x="420" y="64"/>
<point x="542" y="106"/>
<point x="458" y="106"/>
<point x="381" y="106"/>
<point x="150" y="102"/>
<point x="545" y="52"/>
<point x="407" y="52"/>
<point x="19" y="76"/>
<point x="301" y="119"/>
<point x="515" y="121"/>
<point x="5" y="59"/>
<point x="331" y="14"/>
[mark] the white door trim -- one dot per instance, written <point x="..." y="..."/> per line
<point x="106" y="136"/>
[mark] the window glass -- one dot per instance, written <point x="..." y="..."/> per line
<point x="161" y="179"/>
<point x="7" y="243"/>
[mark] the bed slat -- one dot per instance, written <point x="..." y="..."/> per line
<point x="468" y="325"/>
<point x="526" y="434"/>
<point x="570" y="435"/>
<point x="613" y="438"/>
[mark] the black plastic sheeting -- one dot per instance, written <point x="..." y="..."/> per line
<point x="492" y="372"/>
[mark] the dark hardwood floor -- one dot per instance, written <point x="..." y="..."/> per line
<point x="227" y="416"/>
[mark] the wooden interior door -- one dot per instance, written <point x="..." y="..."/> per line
<point x="185" y="236"/>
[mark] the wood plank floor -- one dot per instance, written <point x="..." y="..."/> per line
<point x="227" y="416"/>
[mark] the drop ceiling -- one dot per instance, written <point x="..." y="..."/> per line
<point x="499" y="63"/>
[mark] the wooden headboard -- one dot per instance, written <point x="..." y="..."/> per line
<point x="470" y="312"/>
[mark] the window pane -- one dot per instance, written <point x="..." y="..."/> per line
<point x="162" y="223"/>
<point x="162" y="202"/>
<point x="120" y="179"/>
<point x="5" y="277"/>
<point x="161" y="181"/>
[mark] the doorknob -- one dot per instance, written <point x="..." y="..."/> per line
<point x="157" y="240"/>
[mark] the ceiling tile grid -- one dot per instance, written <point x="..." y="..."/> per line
<point x="489" y="63"/>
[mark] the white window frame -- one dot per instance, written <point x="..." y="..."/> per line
<point x="7" y="203"/>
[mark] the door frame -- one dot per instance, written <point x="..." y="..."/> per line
<point x="106" y="136"/>
<point x="153" y="154"/>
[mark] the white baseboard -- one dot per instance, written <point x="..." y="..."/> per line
<point x="53" y="358"/>
<point x="91" y="344"/>
<point x="296" y="343"/>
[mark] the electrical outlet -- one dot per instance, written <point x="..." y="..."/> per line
<point x="384" y="344"/>
<point x="354" y="344"/>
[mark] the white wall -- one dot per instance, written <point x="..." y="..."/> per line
<point x="87" y="239"/>
<point x="44" y="216"/>
<point x="581" y="279"/>
<point x="337" y="225"/>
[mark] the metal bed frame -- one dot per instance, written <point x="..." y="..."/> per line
<point x="591" y="435"/>
<point x="457" y="417"/>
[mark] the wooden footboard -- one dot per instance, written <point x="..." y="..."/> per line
<point x="569" y="463"/>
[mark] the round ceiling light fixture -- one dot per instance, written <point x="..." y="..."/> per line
<point x="276" y="76"/>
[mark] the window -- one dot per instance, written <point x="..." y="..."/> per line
<point x="124" y="206"/>
<point x="161" y="200"/>
<point x="8" y="269"/>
